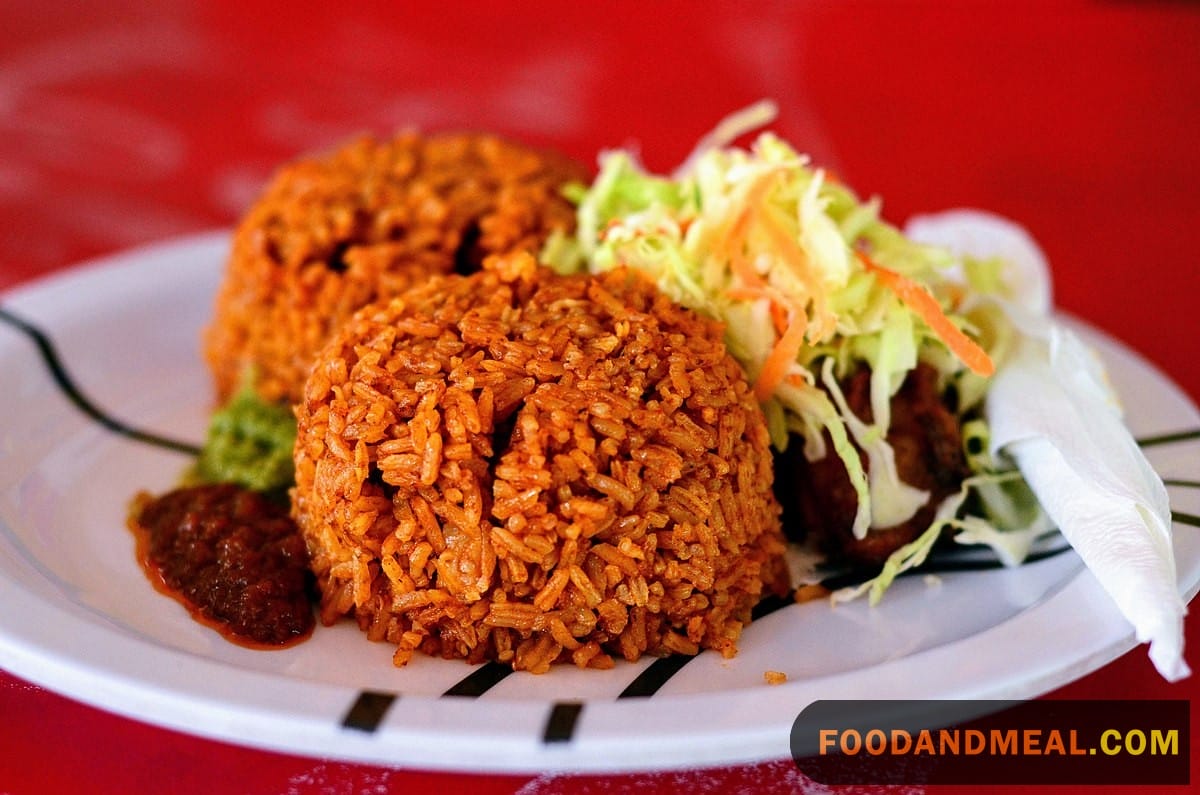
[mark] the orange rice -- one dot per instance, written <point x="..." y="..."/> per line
<point x="331" y="234"/>
<point x="530" y="468"/>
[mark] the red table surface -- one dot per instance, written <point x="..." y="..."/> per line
<point x="125" y="122"/>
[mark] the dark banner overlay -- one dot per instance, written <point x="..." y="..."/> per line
<point x="994" y="742"/>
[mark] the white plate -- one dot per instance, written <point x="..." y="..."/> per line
<point x="80" y="617"/>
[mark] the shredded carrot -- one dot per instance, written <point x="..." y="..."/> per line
<point x="917" y="298"/>
<point x="739" y="263"/>
<point x="789" y="248"/>
<point x="777" y="305"/>
<point x="735" y="241"/>
<point x="744" y="293"/>
<point x="786" y="244"/>
<point x="774" y="369"/>
<point x="788" y="313"/>
<point x="779" y="317"/>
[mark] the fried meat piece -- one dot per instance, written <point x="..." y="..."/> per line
<point x="819" y="500"/>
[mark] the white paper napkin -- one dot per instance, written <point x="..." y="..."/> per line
<point x="1051" y="409"/>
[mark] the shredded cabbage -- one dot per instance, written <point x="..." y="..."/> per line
<point x="774" y="249"/>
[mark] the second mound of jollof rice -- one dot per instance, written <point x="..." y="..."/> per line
<point x="335" y="232"/>
<point x="530" y="468"/>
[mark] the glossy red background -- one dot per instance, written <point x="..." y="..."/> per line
<point x="123" y="123"/>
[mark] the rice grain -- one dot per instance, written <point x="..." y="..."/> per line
<point x="530" y="468"/>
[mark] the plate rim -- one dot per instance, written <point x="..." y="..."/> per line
<point x="307" y="731"/>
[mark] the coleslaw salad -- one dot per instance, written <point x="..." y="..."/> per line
<point x="811" y="283"/>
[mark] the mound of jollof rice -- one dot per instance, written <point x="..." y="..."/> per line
<point x="331" y="234"/>
<point x="531" y="468"/>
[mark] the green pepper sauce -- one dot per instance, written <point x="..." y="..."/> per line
<point x="249" y="443"/>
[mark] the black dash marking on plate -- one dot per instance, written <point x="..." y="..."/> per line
<point x="560" y="725"/>
<point x="1185" y="518"/>
<point x="946" y="565"/>
<point x="481" y="680"/>
<point x="63" y="380"/>
<point x="950" y="565"/>
<point x="772" y="603"/>
<point x="659" y="672"/>
<point x="1184" y="484"/>
<point x="368" y="711"/>
<point x="651" y="680"/>
<point x="1169" y="438"/>
<point x="836" y="582"/>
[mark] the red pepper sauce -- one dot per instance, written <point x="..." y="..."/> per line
<point x="232" y="557"/>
